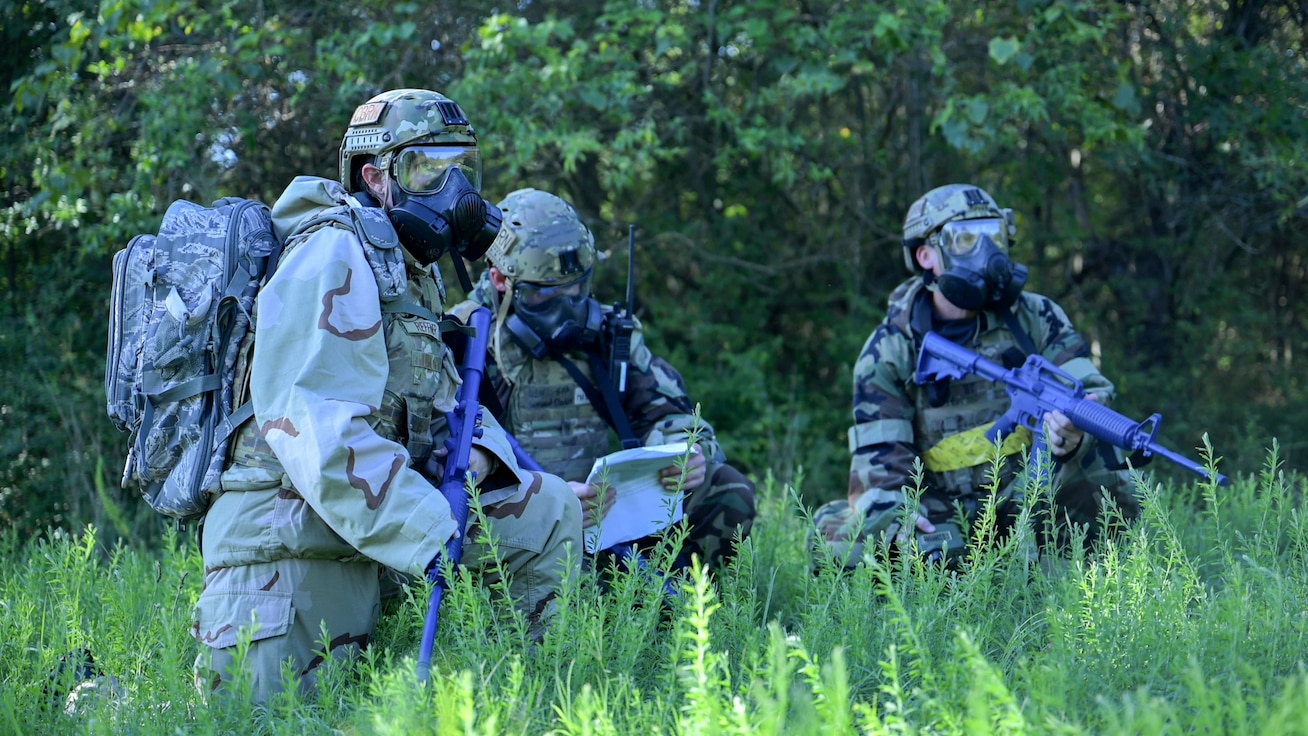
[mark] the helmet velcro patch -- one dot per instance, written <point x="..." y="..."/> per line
<point x="499" y="248"/>
<point x="367" y="113"/>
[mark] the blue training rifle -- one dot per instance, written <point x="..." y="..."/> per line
<point x="1038" y="387"/>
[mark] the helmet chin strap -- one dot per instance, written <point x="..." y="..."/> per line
<point x="930" y="281"/>
<point x="501" y="301"/>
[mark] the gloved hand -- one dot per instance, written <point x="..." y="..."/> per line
<point x="480" y="462"/>
<point x="944" y="544"/>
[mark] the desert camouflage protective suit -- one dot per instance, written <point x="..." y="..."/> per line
<point x="554" y="421"/>
<point x="321" y="490"/>
<point x="896" y="420"/>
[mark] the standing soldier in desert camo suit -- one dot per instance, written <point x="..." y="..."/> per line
<point x="956" y="242"/>
<point x="538" y="288"/>
<point x="348" y="378"/>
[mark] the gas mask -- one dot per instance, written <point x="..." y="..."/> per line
<point x="436" y="208"/>
<point x="977" y="273"/>
<point x="555" y="319"/>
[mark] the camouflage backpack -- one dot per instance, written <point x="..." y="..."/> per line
<point x="181" y="306"/>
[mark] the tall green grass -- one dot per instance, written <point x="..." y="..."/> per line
<point x="1192" y="621"/>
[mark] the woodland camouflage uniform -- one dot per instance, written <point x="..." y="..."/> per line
<point x="555" y="422"/>
<point x="896" y="420"/>
<point x="322" y="491"/>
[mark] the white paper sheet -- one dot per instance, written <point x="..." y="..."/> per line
<point x="642" y="505"/>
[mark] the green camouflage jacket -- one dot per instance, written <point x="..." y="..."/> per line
<point x="889" y="408"/>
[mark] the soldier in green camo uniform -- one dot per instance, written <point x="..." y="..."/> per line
<point x="956" y="242"/>
<point x="350" y="380"/>
<point x="557" y="389"/>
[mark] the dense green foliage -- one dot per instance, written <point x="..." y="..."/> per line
<point x="767" y="149"/>
<point x="1192" y="622"/>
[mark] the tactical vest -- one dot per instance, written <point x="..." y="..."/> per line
<point x="550" y="415"/>
<point x="971" y="403"/>
<point x="422" y="376"/>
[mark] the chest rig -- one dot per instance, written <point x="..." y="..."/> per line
<point x="956" y="413"/>
<point x="551" y="416"/>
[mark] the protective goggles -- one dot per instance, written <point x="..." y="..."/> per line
<point x="421" y="169"/>
<point x="531" y="295"/>
<point x="961" y="237"/>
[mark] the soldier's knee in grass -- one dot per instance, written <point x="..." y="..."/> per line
<point x="734" y="497"/>
<point x="560" y="504"/>
<point x="836" y="536"/>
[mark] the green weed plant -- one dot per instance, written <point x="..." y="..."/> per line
<point x="1192" y="620"/>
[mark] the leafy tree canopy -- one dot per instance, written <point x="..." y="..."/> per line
<point x="766" y="150"/>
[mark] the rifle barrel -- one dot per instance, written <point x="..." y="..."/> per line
<point x="1153" y="448"/>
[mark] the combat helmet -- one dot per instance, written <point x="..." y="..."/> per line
<point x="546" y="255"/>
<point x="549" y="244"/>
<point x="407" y="117"/>
<point x="946" y="204"/>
